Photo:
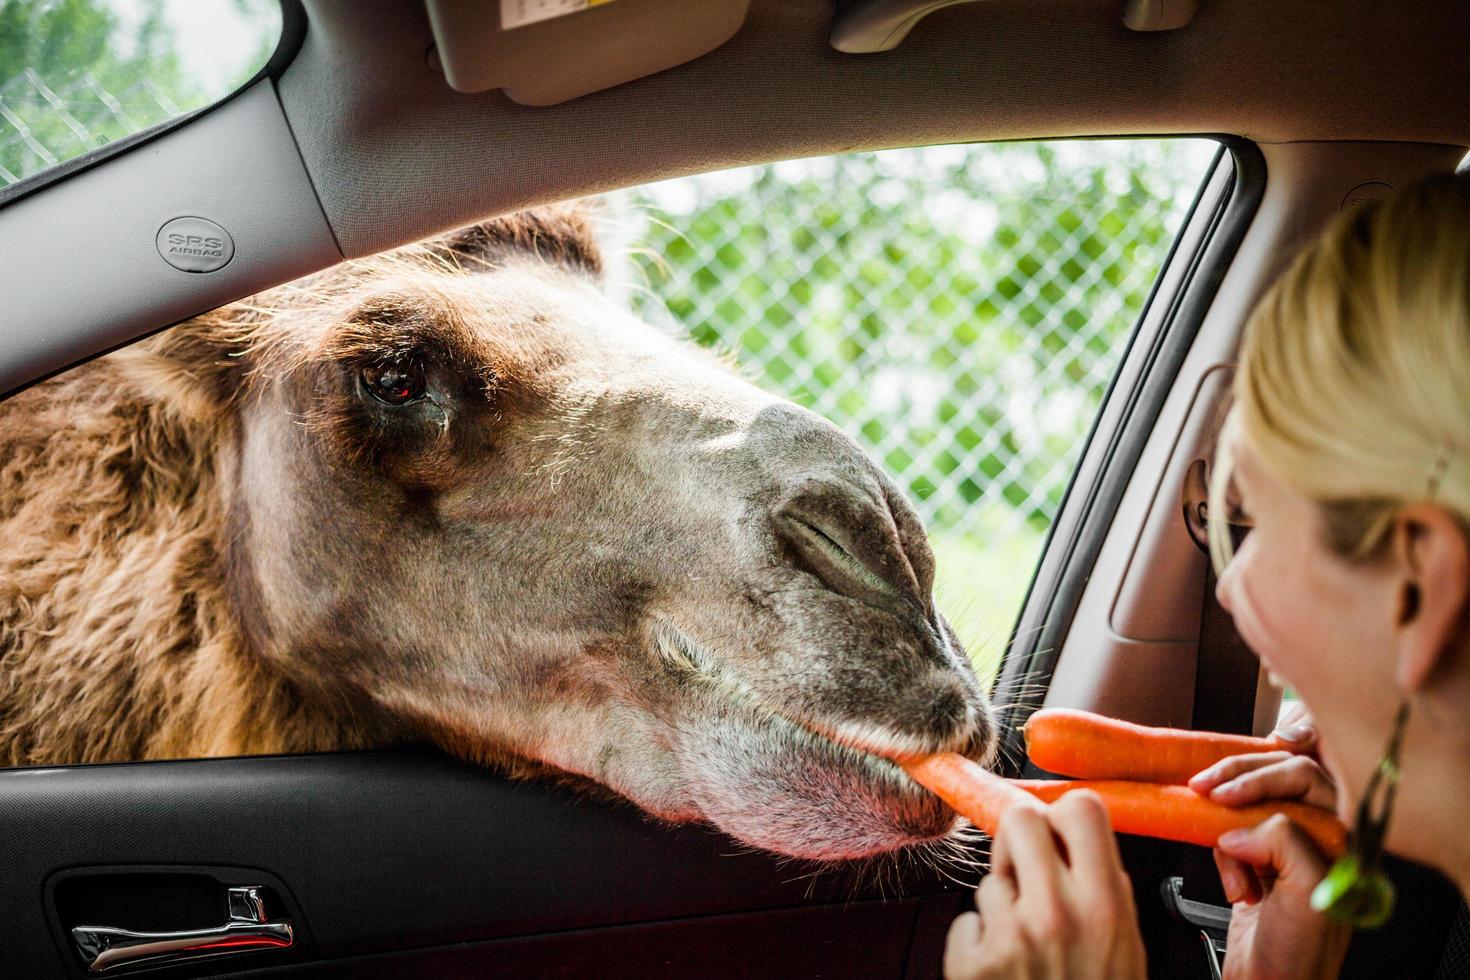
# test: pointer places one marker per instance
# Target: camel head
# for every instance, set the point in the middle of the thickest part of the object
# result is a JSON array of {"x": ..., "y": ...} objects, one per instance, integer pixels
[{"x": 470, "y": 500}]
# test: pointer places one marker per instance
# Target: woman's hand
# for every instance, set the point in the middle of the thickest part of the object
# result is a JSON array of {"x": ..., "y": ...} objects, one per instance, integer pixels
[
  {"x": 1269, "y": 872},
  {"x": 1293, "y": 774},
  {"x": 1259, "y": 776},
  {"x": 1056, "y": 902}
]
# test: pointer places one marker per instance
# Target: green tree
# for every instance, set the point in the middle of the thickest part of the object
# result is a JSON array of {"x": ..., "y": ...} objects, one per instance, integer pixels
[
  {"x": 826, "y": 285},
  {"x": 74, "y": 76}
]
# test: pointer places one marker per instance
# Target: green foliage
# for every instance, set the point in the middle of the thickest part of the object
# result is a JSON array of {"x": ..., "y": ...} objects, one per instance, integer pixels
[
  {"x": 873, "y": 278},
  {"x": 74, "y": 81},
  {"x": 75, "y": 76}
]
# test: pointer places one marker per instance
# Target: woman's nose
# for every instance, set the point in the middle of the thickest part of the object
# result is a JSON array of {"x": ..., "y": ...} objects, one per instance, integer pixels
[
  {"x": 1222, "y": 590},
  {"x": 1229, "y": 579}
]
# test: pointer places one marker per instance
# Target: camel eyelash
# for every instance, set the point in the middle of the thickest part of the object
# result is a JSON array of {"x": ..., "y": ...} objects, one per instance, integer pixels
[{"x": 364, "y": 428}]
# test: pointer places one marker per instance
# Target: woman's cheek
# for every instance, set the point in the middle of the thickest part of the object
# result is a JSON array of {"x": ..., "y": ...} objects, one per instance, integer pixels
[
  {"x": 1235, "y": 593},
  {"x": 1260, "y": 591}
]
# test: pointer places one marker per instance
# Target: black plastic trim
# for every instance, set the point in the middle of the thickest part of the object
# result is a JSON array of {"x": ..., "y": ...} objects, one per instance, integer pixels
[
  {"x": 293, "y": 34},
  {"x": 1027, "y": 667},
  {"x": 855, "y": 941}
]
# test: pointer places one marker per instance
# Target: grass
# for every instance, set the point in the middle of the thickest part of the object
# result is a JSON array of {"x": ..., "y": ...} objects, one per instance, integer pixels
[{"x": 981, "y": 576}]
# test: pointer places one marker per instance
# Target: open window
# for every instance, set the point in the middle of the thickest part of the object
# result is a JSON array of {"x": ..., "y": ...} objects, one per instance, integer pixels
[{"x": 960, "y": 310}]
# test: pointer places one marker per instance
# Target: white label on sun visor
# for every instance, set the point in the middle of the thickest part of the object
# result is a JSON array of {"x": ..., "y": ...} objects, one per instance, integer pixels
[{"x": 519, "y": 13}]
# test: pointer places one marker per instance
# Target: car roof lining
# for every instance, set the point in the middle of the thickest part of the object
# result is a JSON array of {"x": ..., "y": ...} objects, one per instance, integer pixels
[{"x": 396, "y": 155}]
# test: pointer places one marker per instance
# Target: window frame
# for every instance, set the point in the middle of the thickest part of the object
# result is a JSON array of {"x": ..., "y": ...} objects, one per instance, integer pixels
[{"x": 1213, "y": 229}]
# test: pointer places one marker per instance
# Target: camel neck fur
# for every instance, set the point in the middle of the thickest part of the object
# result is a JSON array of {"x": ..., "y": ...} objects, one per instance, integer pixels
[{"x": 118, "y": 638}]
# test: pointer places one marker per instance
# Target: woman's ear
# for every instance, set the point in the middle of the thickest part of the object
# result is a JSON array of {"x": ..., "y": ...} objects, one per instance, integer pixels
[{"x": 1432, "y": 564}]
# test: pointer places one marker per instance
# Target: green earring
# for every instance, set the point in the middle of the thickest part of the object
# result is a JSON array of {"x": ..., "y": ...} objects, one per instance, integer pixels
[{"x": 1356, "y": 892}]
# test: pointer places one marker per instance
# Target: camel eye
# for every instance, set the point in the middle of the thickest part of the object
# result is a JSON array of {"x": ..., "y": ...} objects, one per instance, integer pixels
[{"x": 394, "y": 384}]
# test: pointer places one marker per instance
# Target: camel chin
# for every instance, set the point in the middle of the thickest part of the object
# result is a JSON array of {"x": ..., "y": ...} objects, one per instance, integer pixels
[{"x": 778, "y": 786}]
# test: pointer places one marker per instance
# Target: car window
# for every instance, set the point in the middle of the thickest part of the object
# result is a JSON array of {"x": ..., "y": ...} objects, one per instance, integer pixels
[
  {"x": 404, "y": 500},
  {"x": 76, "y": 75},
  {"x": 959, "y": 310}
]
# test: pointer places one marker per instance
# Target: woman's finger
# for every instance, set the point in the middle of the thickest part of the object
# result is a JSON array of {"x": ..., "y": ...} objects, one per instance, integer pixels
[
  {"x": 1204, "y": 781},
  {"x": 996, "y": 899},
  {"x": 965, "y": 930},
  {"x": 1026, "y": 850},
  {"x": 1238, "y": 879},
  {"x": 1277, "y": 848},
  {"x": 963, "y": 953},
  {"x": 1081, "y": 820},
  {"x": 990, "y": 944},
  {"x": 1297, "y": 729},
  {"x": 1294, "y": 778}
]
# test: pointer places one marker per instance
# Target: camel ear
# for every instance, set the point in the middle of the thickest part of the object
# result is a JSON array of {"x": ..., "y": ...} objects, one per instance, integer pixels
[
  {"x": 194, "y": 368},
  {"x": 561, "y": 233}
]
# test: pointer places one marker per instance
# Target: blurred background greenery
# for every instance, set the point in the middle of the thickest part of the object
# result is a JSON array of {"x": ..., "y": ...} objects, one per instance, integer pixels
[{"x": 79, "y": 74}]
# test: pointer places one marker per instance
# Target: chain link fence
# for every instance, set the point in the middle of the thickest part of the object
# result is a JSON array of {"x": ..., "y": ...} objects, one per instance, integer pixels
[
  {"x": 958, "y": 310},
  {"x": 43, "y": 124}
]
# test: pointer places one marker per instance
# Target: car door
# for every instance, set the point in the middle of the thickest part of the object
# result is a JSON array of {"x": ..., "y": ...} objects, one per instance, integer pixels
[{"x": 404, "y": 862}]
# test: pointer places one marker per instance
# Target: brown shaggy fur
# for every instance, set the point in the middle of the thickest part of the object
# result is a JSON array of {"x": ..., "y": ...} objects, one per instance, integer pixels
[{"x": 119, "y": 636}]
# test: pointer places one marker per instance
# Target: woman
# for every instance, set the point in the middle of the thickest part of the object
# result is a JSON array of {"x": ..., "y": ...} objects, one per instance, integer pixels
[{"x": 1349, "y": 449}]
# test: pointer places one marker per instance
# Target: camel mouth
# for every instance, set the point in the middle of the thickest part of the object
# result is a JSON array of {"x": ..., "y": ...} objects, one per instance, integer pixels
[
  {"x": 870, "y": 744},
  {"x": 772, "y": 778}
]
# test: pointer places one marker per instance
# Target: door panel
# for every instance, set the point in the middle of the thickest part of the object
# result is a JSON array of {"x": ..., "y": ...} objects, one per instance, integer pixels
[
  {"x": 861, "y": 940},
  {"x": 382, "y": 852}
]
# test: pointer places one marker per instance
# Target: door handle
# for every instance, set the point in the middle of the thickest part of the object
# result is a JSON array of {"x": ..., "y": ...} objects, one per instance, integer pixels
[
  {"x": 1213, "y": 921},
  {"x": 247, "y": 931}
]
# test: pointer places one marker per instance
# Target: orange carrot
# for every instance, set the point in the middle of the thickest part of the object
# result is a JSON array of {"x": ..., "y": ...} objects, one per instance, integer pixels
[
  {"x": 1090, "y": 746},
  {"x": 968, "y": 787},
  {"x": 1179, "y": 813}
]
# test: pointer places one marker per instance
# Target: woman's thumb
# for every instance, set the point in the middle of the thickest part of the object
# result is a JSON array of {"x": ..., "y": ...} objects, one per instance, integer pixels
[{"x": 1279, "y": 845}]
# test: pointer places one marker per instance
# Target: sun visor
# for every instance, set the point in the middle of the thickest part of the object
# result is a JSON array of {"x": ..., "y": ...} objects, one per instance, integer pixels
[
  {"x": 542, "y": 52},
  {"x": 870, "y": 26}
]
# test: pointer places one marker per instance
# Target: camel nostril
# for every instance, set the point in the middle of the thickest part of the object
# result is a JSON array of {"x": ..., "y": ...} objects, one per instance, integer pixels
[
  {"x": 951, "y": 709},
  {"x": 866, "y": 574},
  {"x": 852, "y": 545},
  {"x": 982, "y": 743},
  {"x": 938, "y": 715},
  {"x": 951, "y": 719}
]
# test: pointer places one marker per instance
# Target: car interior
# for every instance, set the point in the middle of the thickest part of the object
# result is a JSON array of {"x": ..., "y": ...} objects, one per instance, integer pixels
[{"x": 377, "y": 123}]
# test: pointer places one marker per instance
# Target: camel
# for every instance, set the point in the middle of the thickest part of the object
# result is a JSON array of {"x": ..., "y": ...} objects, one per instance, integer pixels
[{"x": 454, "y": 495}]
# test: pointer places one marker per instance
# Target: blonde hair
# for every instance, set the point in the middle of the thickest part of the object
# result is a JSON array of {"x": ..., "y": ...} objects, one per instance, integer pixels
[{"x": 1354, "y": 380}]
